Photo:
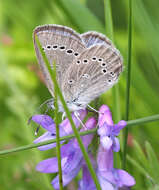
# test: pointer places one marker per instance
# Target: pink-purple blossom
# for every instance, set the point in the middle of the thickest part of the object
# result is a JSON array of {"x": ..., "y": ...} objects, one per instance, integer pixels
[
  {"x": 72, "y": 160},
  {"x": 108, "y": 130},
  {"x": 71, "y": 155},
  {"x": 47, "y": 123}
]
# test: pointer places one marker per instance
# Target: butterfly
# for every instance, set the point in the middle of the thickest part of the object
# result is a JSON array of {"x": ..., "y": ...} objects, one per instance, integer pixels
[{"x": 87, "y": 64}]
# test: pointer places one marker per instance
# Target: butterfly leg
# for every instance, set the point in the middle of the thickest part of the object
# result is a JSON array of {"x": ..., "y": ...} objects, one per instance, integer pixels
[
  {"x": 93, "y": 109},
  {"x": 63, "y": 115}
]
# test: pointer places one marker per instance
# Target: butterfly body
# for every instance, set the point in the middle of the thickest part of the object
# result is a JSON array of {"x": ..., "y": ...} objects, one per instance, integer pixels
[{"x": 87, "y": 64}]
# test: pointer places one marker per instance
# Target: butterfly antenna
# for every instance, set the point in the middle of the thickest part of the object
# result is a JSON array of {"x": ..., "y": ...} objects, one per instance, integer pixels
[{"x": 49, "y": 103}]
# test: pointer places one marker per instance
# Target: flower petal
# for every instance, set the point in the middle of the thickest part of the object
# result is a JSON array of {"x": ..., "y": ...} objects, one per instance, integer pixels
[
  {"x": 116, "y": 145},
  {"x": 49, "y": 136},
  {"x": 104, "y": 159},
  {"x": 86, "y": 183},
  {"x": 104, "y": 183},
  {"x": 105, "y": 130},
  {"x": 45, "y": 121},
  {"x": 124, "y": 178},
  {"x": 121, "y": 124},
  {"x": 48, "y": 166},
  {"x": 105, "y": 116},
  {"x": 90, "y": 124},
  {"x": 73, "y": 160},
  {"x": 66, "y": 126},
  {"x": 46, "y": 136},
  {"x": 106, "y": 142},
  {"x": 72, "y": 155},
  {"x": 67, "y": 148},
  {"x": 66, "y": 177}
]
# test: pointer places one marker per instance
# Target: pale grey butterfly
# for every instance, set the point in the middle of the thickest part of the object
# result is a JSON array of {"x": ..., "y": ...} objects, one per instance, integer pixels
[{"x": 87, "y": 64}]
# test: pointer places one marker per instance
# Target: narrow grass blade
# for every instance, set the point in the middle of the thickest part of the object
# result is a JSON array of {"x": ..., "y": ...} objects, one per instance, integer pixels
[
  {"x": 57, "y": 135},
  {"x": 129, "y": 124},
  {"x": 128, "y": 76},
  {"x": 68, "y": 114}
]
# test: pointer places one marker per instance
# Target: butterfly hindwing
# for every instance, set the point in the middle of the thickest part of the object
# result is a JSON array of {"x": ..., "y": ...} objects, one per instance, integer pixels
[{"x": 95, "y": 71}]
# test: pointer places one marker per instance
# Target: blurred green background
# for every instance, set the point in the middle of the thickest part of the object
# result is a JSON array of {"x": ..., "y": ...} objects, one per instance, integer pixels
[{"x": 22, "y": 89}]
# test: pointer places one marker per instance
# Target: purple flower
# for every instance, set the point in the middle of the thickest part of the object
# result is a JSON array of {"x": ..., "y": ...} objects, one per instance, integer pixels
[
  {"x": 47, "y": 123},
  {"x": 108, "y": 130},
  {"x": 109, "y": 177},
  {"x": 86, "y": 183},
  {"x": 71, "y": 158}
]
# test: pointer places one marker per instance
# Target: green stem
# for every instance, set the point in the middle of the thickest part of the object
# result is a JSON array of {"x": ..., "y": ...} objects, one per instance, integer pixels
[
  {"x": 27, "y": 147},
  {"x": 128, "y": 83},
  {"x": 68, "y": 114},
  {"x": 129, "y": 124},
  {"x": 143, "y": 120},
  {"x": 57, "y": 136}
]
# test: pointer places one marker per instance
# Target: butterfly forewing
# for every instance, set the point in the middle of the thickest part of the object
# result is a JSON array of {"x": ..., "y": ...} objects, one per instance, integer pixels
[{"x": 60, "y": 44}]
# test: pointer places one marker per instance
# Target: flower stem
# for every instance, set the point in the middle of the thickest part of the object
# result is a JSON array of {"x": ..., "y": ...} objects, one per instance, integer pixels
[
  {"x": 129, "y": 124},
  {"x": 57, "y": 135},
  {"x": 128, "y": 84}
]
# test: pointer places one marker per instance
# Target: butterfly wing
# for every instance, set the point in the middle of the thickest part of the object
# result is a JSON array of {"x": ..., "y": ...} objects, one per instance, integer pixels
[
  {"x": 60, "y": 44},
  {"x": 93, "y": 38},
  {"x": 95, "y": 71}
]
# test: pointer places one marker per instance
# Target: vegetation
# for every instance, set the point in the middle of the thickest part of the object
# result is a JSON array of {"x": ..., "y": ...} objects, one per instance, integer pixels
[{"x": 22, "y": 89}]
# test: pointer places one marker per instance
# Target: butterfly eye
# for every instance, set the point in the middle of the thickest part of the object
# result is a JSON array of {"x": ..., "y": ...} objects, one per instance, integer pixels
[
  {"x": 43, "y": 48},
  {"x": 104, "y": 71},
  {"x": 70, "y": 81},
  {"x": 74, "y": 100}
]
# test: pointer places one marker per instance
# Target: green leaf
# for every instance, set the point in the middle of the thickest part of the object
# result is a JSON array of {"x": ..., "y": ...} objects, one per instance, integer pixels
[
  {"x": 153, "y": 161},
  {"x": 138, "y": 166},
  {"x": 140, "y": 154}
]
